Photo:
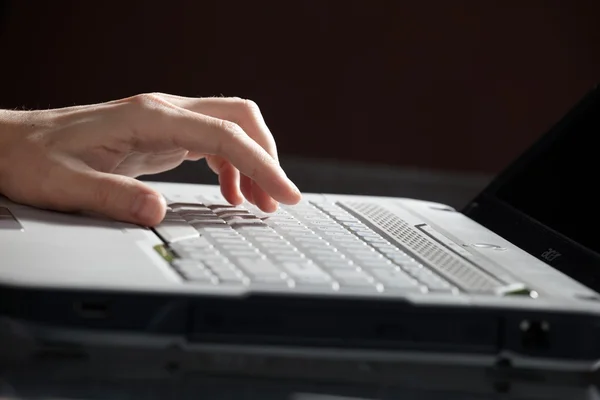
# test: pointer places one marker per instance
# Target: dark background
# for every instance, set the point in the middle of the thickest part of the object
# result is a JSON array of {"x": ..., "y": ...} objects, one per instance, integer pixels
[{"x": 435, "y": 96}]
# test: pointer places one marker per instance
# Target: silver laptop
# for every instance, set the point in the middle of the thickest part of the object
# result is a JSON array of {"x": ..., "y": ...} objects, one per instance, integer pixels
[{"x": 338, "y": 286}]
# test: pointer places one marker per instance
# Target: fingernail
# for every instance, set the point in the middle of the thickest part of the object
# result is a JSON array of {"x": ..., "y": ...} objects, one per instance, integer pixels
[{"x": 148, "y": 207}]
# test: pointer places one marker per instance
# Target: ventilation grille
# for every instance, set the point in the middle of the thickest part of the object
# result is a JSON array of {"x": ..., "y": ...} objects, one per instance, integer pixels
[{"x": 464, "y": 274}]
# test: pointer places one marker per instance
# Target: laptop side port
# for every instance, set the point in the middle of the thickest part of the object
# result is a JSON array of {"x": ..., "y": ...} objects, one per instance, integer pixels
[
  {"x": 92, "y": 309},
  {"x": 535, "y": 334}
]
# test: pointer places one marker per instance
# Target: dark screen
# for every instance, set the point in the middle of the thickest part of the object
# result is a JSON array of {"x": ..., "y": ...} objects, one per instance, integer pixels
[{"x": 559, "y": 186}]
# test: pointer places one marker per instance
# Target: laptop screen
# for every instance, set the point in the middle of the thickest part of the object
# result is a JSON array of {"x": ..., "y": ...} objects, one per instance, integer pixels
[
  {"x": 558, "y": 186},
  {"x": 547, "y": 202}
]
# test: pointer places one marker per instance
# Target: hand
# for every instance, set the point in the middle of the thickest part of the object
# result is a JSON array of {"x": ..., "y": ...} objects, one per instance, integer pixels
[{"x": 84, "y": 159}]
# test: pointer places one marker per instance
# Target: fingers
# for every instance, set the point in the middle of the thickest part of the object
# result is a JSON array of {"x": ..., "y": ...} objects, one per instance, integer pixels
[
  {"x": 229, "y": 179},
  {"x": 247, "y": 115},
  {"x": 199, "y": 133},
  {"x": 262, "y": 199},
  {"x": 114, "y": 196},
  {"x": 246, "y": 187}
]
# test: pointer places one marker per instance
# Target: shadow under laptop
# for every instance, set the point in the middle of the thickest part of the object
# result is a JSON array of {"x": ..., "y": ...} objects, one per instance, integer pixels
[{"x": 414, "y": 382}]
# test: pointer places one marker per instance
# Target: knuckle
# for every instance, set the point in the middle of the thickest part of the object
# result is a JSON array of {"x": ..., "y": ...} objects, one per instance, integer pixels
[
  {"x": 148, "y": 100},
  {"x": 143, "y": 98},
  {"x": 230, "y": 133},
  {"x": 253, "y": 174},
  {"x": 105, "y": 190},
  {"x": 248, "y": 109},
  {"x": 251, "y": 107},
  {"x": 101, "y": 196},
  {"x": 230, "y": 129}
]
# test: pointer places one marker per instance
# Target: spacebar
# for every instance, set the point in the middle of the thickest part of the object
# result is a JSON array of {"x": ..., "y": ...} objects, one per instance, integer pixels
[{"x": 172, "y": 231}]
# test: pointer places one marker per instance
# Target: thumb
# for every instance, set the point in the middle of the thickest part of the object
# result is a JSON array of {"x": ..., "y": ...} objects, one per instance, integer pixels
[{"x": 114, "y": 196}]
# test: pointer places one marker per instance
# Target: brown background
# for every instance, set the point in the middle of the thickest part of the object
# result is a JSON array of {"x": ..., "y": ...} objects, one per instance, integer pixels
[{"x": 451, "y": 85}]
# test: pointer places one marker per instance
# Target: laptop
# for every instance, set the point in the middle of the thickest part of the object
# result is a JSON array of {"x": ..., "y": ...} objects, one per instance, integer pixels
[{"x": 338, "y": 287}]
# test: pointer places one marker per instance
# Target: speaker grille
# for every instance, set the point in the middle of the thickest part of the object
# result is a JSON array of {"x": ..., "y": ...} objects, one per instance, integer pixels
[{"x": 456, "y": 269}]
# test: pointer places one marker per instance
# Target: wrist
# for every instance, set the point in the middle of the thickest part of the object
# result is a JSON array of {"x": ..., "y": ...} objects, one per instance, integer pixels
[
  {"x": 9, "y": 130},
  {"x": 9, "y": 126}
]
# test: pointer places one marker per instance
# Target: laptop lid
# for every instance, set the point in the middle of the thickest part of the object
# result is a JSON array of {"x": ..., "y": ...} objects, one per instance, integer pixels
[{"x": 547, "y": 202}]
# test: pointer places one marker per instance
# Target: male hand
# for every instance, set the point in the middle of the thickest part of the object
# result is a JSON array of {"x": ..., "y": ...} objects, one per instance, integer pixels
[{"x": 86, "y": 158}]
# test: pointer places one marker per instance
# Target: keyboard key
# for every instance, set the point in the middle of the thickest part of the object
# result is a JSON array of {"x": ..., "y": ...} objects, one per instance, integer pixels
[
  {"x": 329, "y": 258},
  {"x": 204, "y": 256},
  {"x": 321, "y": 222},
  {"x": 290, "y": 258},
  {"x": 226, "y": 233},
  {"x": 219, "y": 264},
  {"x": 393, "y": 278},
  {"x": 430, "y": 280},
  {"x": 282, "y": 245},
  {"x": 226, "y": 274},
  {"x": 367, "y": 257},
  {"x": 337, "y": 264},
  {"x": 232, "y": 213},
  {"x": 199, "y": 216},
  {"x": 246, "y": 222},
  {"x": 179, "y": 206},
  {"x": 213, "y": 228},
  {"x": 172, "y": 231},
  {"x": 256, "y": 267},
  {"x": 372, "y": 240},
  {"x": 233, "y": 243},
  {"x": 205, "y": 223},
  {"x": 238, "y": 217},
  {"x": 171, "y": 216},
  {"x": 222, "y": 207},
  {"x": 323, "y": 250},
  {"x": 193, "y": 243},
  {"x": 375, "y": 263},
  {"x": 303, "y": 269},
  {"x": 331, "y": 234},
  {"x": 403, "y": 260},
  {"x": 251, "y": 252},
  {"x": 194, "y": 271},
  {"x": 352, "y": 277},
  {"x": 335, "y": 228},
  {"x": 208, "y": 222},
  {"x": 240, "y": 246},
  {"x": 315, "y": 280}
]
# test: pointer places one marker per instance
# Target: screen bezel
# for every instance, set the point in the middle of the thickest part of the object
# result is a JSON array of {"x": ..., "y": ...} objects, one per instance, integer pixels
[{"x": 570, "y": 257}]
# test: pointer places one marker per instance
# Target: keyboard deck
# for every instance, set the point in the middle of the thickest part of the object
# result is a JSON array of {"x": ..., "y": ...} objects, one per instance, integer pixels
[{"x": 313, "y": 245}]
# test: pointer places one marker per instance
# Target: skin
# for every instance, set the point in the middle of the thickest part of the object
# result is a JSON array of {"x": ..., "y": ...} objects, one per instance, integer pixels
[{"x": 85, "y": 158}]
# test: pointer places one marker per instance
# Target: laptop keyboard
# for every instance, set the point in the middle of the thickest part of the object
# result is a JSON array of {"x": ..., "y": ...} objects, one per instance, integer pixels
[{"x": 309, "y": 245}]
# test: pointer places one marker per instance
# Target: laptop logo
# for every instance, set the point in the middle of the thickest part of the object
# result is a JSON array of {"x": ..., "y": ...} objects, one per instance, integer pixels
[
  {"x": 550, "y": 255},
  {"x": 8, "y": 220}
]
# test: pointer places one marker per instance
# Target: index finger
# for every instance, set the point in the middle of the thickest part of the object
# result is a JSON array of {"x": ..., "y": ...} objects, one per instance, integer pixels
[{"x": 245, "y": 113}]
